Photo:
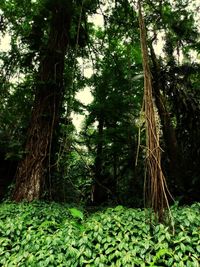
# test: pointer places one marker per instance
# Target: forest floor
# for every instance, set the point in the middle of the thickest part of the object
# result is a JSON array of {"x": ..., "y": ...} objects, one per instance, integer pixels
[{"x": 52, "y": 234}]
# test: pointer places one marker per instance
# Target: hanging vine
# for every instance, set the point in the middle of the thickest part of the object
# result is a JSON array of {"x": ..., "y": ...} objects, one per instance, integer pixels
[{"x": 156, "y": 190}]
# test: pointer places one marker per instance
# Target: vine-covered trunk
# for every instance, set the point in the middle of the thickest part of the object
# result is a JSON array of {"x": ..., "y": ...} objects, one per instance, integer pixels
[
  {"x": 167, "y": 127},
  {"x": 32, "y": 170},
  {"x": 156, "y": 187}
]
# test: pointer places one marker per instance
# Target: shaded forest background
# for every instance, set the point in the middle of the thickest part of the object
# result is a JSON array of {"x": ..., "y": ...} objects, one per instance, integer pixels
[{"x": 42, "y": 155}]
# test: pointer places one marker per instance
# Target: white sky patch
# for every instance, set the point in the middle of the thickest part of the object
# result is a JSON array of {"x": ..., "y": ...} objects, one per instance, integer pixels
[
  {"x": 85, "y": 96},
  {"x": 77, "y": 120},
  {"x": 97, "y": 19},
  {"x": 5, "y": 43},
  {"x": 87, "y": 72},
  {"x": 159, "y": 43}
]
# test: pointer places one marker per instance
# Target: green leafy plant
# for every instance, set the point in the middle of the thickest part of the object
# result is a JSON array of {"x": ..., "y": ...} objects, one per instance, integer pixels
[
  {"x": 49, "y": 234},
  {"x": 78, "y": 218}
]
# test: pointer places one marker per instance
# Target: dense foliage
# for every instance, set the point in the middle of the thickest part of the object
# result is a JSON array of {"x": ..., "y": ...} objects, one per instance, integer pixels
[
  {"x": 50, "y": 234},
  {"x": 52, "y": 47},
  {"x": 97, "y": 164},
  {"x": 57, "y": 50}
]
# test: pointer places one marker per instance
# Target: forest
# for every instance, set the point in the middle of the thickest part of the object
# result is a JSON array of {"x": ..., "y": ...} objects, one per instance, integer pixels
[{"x": 99, "y": 133}]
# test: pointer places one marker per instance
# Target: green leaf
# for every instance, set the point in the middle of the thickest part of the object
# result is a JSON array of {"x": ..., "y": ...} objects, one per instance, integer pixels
[
  {"x": 183, "y": 247},
  {"x": 119, "y": 208},
  {"x": 76, "y": 213}
]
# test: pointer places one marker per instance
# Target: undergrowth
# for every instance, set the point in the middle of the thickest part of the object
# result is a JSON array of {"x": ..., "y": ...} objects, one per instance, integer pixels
[{"x": 51, "y": 234}]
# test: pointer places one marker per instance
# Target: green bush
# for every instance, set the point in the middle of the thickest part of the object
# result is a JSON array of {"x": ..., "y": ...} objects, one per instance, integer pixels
[{"x": 50, "y": 234}]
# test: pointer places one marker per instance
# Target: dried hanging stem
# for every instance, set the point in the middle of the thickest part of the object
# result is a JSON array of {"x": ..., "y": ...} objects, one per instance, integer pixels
[{"x": 156, "y": 187}]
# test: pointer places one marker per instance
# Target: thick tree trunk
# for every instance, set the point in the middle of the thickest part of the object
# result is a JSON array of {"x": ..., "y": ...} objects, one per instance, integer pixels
[{"x": 33, "y": 168}]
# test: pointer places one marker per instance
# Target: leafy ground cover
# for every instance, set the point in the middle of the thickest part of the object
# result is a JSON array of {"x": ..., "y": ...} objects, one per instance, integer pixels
[{"x": 51, "y": 234}]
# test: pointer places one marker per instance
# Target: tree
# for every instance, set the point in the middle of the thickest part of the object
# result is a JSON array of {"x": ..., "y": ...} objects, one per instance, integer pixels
[
  {"x": 156, "y": 189},
  {"x": 48, "y": 98},
  {"x": 116, "y": 105},
  {"x": 30, "y": 176},
  {"x": 175, "y": 90}
]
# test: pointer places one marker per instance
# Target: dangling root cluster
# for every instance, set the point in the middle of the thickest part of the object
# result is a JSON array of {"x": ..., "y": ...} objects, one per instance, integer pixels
[{"x": 156, "y": 190}]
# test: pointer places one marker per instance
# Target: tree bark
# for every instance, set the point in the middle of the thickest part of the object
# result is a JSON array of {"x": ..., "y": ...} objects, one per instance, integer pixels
[{"x": 32, "y": 170}]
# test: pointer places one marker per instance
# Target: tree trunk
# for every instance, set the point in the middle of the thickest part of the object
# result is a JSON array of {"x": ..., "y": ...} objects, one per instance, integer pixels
[
  {"x": 105, "y": 184},
  {"x": 32, "y": 170},
  {"x": 167, "y": 127},
  {"x": 156, "y": 187},
  {"x": 99, "y": 192}
]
